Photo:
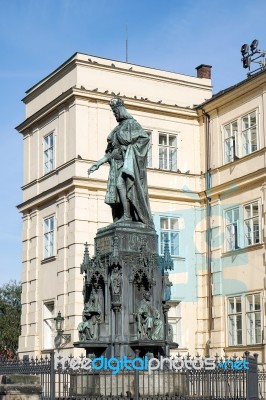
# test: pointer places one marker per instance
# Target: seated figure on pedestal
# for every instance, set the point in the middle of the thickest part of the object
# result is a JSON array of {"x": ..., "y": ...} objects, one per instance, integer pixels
[
  {"x": 150, "y": 325},
  {"x": 89, "y": 327},
  {"x": 126, "y": 152},
  {"x": 81, "y": 329}
]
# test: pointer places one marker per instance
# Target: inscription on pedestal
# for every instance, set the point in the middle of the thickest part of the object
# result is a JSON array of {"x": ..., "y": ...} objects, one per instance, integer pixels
[
  {"x": 104, "y": 245},
  {"x": 128, "y": 240}
]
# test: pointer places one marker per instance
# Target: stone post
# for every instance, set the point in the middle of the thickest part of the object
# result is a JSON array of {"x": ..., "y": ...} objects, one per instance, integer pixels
[
  {"x": 23, "y": 387},
  {"x": 166, "y": 309}
]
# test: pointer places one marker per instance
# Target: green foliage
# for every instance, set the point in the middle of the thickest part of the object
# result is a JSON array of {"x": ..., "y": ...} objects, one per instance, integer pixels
[{"x": 10, "y": 314}]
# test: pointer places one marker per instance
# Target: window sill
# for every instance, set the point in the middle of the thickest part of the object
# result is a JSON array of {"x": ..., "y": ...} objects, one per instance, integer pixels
[
  {"x": 174, "y": 171},
  {"x": 244, "y": 347},
  {"x": 180, "y": 258},
  {"x": 240, "y": 159},
  {"x": 47, "y": 351},
  {"x": 252, "y": 247},
  {"x": 48, "y": 259}
]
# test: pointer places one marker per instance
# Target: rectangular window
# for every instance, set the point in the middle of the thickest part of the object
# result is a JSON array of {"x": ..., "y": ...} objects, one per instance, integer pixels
[
  {"x": 48, "y": 325},
  {"x": 249, "y": 133},
  {"x": 169, "y": 234},
  {"x": 253, "y": 313},
  {"x": 242, "y": 226},
  {"x": 232, "y": 231},
  {"x": 49, "y": 163},
  {"x": 245, "y": 320},
  {"x": 230, "y": 139},
  {"x": 149, "y": 156},
  {"x": 167, "y": 151},
  {"x": 49, "y": 229},
  {"x": 241, "y": 137},
  {"x": 235, "y": 321},
  {"x": 251, "y": 223}
]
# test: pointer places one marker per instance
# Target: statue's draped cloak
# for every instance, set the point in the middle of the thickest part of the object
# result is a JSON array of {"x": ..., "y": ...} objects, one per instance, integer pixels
[{"x": 127, "y": 150}]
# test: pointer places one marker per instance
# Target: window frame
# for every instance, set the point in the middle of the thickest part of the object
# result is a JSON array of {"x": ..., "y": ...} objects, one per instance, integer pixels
[
  {"x": 246, "y": 338},
  {"x": 251, "y": 220},
  {"x": 150, "y": 149},
  {"x": 234, "y": 227},
  {"x": 168, "y": 231},
  {"x": 47, "y": 234},
  {"x": 232, "y": 140},
  {"x": 254, "y": 312},
  {"x": 237, "y": 137},
  {"x": 48, "y": 325},
  {"x": 248, "y": 129},
  {"x": 233, "y": 316},
  {"x": 239, "y": 227},
  {"x": 167, "y": 151},
  {"x": 47, "y": 151}
]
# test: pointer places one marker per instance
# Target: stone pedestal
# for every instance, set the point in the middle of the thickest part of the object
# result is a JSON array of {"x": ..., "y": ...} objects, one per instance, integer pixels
[
  {"x": 124, "y": 294},
  {"x": 125, "y": 384}
]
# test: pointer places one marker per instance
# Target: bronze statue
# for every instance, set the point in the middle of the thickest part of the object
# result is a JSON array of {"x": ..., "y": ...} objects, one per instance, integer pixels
[
  {"x": 93, "y": 306},
  {"x": 166, "y": 288},
  {"x": 170, "y": 333},
  {"x": 150, "y": 325},
  {"x": 88, "y": 328},
  {"x": 126, "y": 152},
  {"x": 81, "y": 329},
  {"x": 116, "y": 281},
  {"x": 157, "y": 332},
  {"x": 92, "y": 313}
]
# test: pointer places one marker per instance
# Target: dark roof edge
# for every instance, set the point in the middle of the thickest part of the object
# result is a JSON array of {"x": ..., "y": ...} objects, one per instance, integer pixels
[{"x": 230, "y": 88}]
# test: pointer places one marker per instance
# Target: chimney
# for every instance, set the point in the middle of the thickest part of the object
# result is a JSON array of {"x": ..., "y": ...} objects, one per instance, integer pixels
[{"x": 204, "y": 71}]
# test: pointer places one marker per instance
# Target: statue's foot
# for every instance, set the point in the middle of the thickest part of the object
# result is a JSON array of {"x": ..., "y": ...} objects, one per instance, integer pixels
[{"x": 125, "y": 218}]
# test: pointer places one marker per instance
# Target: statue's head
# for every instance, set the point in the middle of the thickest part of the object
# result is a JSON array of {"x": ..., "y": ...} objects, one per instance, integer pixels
[
  {"x": 119, "y": 110},
  {"x": 147, "y": 295}
]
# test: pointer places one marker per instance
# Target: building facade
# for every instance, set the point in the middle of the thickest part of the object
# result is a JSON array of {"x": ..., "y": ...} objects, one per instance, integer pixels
[
  {"x": 234, "y": 125},
  {"x": 206, "y": 172}
]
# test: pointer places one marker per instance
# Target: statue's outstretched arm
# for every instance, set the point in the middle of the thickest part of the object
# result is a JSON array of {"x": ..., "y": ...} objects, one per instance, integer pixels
[{"x": 97, "y": 164}]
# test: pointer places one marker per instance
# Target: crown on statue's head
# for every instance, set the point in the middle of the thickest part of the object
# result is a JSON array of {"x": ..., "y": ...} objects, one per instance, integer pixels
[{"x": 116, "y": 102}]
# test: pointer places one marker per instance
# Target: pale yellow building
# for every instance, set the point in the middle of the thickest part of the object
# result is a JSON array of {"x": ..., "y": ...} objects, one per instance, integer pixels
[
  {"x": 67, "y": 121},
  {"x": 234, "y": 125}
]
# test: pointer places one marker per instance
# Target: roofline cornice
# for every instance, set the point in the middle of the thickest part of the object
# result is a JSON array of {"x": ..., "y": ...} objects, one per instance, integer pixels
[
  {"x": 73, "y": 61},
  {"x": 133, "y": 104}
]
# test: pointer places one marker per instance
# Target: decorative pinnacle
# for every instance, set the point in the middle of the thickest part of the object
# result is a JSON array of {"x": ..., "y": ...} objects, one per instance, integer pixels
[
  {"x": 166, "y": 259},
  {"x": 86, "y": 259}
]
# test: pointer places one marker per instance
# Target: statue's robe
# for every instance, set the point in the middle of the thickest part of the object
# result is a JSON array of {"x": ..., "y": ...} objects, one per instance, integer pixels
[{"x": 127, "y": 151}]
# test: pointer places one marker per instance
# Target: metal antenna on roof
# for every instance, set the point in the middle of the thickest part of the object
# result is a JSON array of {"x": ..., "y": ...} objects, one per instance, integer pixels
[{"x": 126, "y": 45}]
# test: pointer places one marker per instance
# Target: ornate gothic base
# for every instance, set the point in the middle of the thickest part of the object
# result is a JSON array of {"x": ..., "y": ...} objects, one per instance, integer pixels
[{"x": 126, "y": 289}]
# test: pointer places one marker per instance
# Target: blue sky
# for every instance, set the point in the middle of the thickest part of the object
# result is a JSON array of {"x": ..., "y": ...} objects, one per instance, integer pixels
[{"x": 38, "y": 35}]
